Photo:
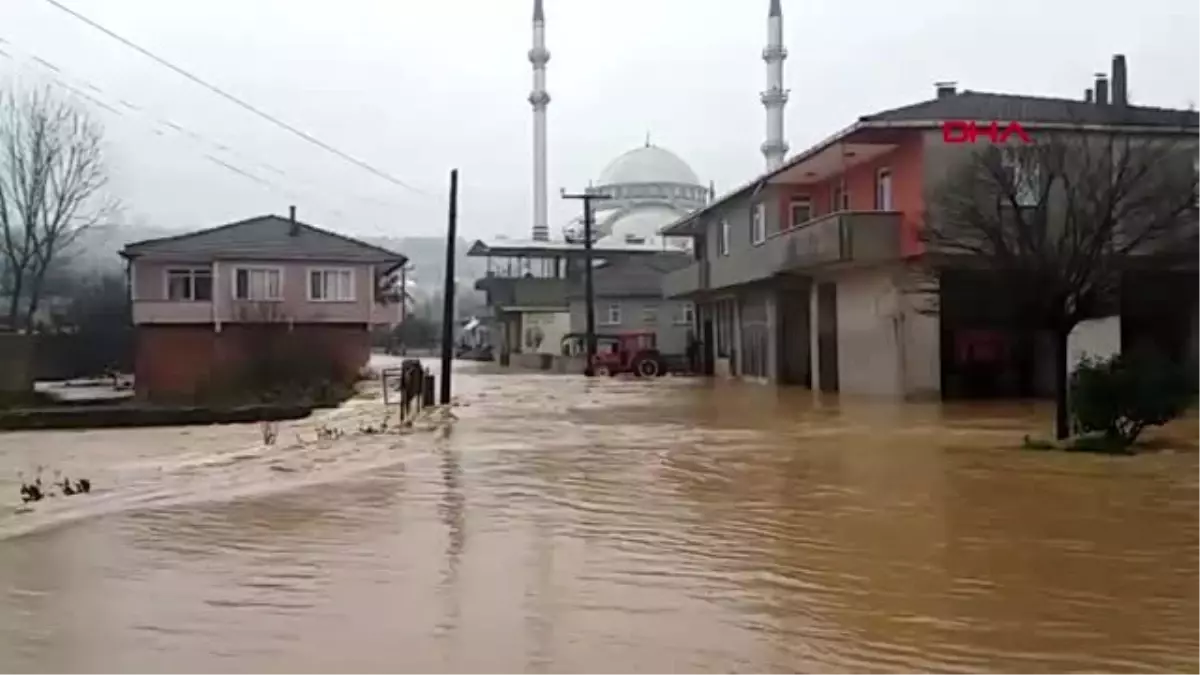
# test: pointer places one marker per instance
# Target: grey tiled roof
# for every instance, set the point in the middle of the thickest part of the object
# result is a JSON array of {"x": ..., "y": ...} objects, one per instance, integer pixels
[
  {"x": 974, "y": 105},
  {"x": 633, "y": 277},
  {"x": 264, "y": 238}
]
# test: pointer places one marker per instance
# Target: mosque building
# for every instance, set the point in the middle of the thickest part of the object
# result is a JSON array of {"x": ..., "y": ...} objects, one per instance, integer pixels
[{"x": 532, "y": 284}]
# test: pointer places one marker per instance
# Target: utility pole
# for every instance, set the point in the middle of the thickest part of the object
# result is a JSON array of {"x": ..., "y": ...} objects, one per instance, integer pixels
[
  {"x": 403, "y": 292},
  {"x": 448, "y": 292},
  {"x": 589, "y": 294}
]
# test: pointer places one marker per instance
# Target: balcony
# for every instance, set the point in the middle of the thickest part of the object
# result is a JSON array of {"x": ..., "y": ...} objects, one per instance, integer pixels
[
  {"x": 844, "y": 237},
  {"x": 164, "y": 311},
  {"x": 688, "y": 280},
  {"x": 531, "y": 292}
]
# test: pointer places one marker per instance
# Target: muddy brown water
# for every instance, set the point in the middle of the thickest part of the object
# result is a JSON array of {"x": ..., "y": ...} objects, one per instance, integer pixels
[{"x": 605, "y": 526}]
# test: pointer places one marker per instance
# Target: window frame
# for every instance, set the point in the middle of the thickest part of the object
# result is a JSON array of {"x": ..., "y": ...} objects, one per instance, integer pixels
[
  {"x": 758, "y": 224},
  {"x": 880, "y": 174},
  {"x": 685, "y": 313},
  {"x": 839, "y": 198},
  {"x": 192, "y": 272},
  {"x": 1196, "y": 174},
  {"x": 609, "y": 308},
  {"x": 792, "y": 204},
  {"x": 723, "y": 238},
  {"x": 233, "y": 290},
  {"x": 323, "y": 271},
  {"x": 1027, "y": 185},
  {"x": 650, "y": 314}
]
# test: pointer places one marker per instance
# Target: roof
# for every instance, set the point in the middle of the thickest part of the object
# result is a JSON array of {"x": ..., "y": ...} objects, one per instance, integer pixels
[
  {"x": 634, "y": 276},
  {"x": 265, "y": 238},
  {"x": 533, "y": 248},
  {"x": 647, "y": 164},
  {"x": 1032, "y": 112},
  {"x": 975, "y": 105}
]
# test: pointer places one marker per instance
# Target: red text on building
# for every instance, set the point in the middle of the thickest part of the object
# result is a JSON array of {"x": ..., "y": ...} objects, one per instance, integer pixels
[{"x": 967, "y": 131}]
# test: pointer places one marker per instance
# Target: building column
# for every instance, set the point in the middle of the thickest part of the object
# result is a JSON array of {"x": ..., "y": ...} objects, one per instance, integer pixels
[
  {"x": 772, "y": 356},
  {"x": 921, "y": 337},
  {"x": 814, "y": 325}
]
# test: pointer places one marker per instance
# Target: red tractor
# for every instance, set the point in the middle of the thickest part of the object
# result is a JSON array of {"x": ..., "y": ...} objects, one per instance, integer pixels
[{"x": 626, "y": 352}]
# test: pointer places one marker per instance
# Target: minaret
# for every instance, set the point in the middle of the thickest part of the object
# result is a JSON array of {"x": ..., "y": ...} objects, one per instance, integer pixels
[
  {"x": 539, "y": 99},
  {"x": 774, "y": 149}
]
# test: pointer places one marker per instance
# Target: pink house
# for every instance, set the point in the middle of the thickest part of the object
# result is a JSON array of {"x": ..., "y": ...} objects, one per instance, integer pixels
[{"x": 195, "y": 296}]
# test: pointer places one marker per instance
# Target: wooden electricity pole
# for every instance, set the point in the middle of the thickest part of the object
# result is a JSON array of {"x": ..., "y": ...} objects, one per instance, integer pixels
[
  {"x": 448, "y": 289},
  {"x": 589, "y": 294}
]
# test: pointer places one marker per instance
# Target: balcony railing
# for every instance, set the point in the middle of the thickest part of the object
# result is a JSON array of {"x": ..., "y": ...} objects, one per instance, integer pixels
[
  {"x": 848, "y": 236},
  {"x": 525, "y": 292}
]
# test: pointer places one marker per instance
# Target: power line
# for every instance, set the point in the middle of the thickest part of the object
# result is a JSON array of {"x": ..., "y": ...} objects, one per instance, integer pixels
[
  {"x": 239, "y": 102},
  {"x": 157, "y": 124}
]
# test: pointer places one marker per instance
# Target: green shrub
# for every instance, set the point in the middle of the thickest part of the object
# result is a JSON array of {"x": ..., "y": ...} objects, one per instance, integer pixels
[{"x": 1121, "y": 396}]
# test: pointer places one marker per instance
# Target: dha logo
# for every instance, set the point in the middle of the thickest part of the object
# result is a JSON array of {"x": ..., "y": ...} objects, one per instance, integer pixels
[{"x": 966, "y": 131}]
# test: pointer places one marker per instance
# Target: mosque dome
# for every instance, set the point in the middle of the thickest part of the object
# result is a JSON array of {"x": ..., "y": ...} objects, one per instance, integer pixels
[
  {"x": 648, "y": 164},
  {"x": 641, "y": 225}
]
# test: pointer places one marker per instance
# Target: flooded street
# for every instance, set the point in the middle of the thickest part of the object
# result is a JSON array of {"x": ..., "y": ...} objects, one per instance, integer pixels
[{"x": 604, "y": 526}]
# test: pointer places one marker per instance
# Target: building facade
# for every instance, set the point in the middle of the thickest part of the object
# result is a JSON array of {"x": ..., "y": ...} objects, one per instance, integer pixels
[
  {"x": 815, "y": 274},
  {"x": 197, "y": 298}
]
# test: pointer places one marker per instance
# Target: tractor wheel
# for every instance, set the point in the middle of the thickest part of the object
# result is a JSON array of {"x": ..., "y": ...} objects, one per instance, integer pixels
[{"x": 647, "y": 367}]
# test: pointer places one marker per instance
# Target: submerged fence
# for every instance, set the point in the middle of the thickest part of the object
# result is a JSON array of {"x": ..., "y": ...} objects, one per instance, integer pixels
[{"x": 411, "y": 386}]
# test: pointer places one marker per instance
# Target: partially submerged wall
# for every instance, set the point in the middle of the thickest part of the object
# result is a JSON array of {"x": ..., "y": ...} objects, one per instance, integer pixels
[{"x": 17, "y": 361}]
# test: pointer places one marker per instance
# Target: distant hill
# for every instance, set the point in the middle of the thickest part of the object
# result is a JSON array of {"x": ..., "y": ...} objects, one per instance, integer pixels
[{"x": 96, "y": 250}]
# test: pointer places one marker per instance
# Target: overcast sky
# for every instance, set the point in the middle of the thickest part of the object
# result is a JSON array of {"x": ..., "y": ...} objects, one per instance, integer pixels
[{"x": 416, "y": 87}]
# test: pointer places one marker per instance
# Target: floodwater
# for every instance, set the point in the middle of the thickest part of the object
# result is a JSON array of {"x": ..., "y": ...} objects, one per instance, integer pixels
[{"x": 608, "y": 525}]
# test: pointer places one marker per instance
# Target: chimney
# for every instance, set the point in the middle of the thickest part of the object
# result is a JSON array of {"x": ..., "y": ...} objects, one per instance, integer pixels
[
  {"x": 946, "y": 89},
  {"x": 295, "y": 227},
  {"x": 1087, "y": 95},
  {"x": 1120, "y": 81},
  {"x": 1101, "y": 89}
]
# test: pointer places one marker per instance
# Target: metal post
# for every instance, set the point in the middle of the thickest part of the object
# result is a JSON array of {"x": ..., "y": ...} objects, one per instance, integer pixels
[
  {"x": 589, "y": 294},
  {"x": 448, "y": 292}
]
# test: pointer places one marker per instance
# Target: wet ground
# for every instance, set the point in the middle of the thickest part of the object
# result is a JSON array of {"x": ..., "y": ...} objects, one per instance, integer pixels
[{"x": 606, "y": 526}]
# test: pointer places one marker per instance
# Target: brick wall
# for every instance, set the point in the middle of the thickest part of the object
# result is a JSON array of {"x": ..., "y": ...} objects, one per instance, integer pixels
[{"x": 176, "y": 360}]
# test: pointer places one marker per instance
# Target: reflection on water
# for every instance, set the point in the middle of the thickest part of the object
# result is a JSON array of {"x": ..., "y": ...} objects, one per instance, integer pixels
[{"x": 608, "y": 525}]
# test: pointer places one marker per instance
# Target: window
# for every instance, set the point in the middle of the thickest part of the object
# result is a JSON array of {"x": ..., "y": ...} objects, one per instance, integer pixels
[
  {"x": 801, "y": 211},
  {"x": 758, "y": 224},
  {"x": 685, "y": 314},
  {"x": 839, "y": 199},
  {"x": 723, "y": 242},
  {"x": 883, "y": 190},
  {"x": 258, "y": 283},
  {"x": 189, "y": 284},
  {"x": 331, "y": 285},
  {"x": 650, "y": 314},
  {"x": 1026, "y": 180},
  {"x": 1195, "y": 178},
  {"x": 612, "y": 315}
]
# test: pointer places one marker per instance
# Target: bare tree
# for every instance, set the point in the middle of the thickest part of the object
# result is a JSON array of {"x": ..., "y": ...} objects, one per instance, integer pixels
[
  {"x": 1055, "y": 224},
  {"x": 52, "y": 177}
]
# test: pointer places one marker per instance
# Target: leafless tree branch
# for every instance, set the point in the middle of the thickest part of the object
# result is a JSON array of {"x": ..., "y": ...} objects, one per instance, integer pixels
[{"x": 52, "y": 180}]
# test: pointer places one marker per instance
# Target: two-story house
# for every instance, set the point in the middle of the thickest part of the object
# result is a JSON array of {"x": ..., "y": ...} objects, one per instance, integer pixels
[
  {"x": 627, "y": 296},
  {"x": 815, "y": 273},
  {"x": 194, "y": 296}
]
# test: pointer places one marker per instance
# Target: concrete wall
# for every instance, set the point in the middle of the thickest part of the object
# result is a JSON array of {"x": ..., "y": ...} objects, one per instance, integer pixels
[
  {"x": 17, "y": 360},
  {"x": 886, "y": 344},
  {"x": 542, "y": 332},
  {"x": 671, "y": 334},
  {"x": 1095, "y": 338}
]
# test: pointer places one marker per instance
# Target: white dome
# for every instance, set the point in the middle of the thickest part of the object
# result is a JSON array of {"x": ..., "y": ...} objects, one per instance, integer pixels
[
  {"x": 649, "y": 164},
  {"x": 641, "y": 226}
]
